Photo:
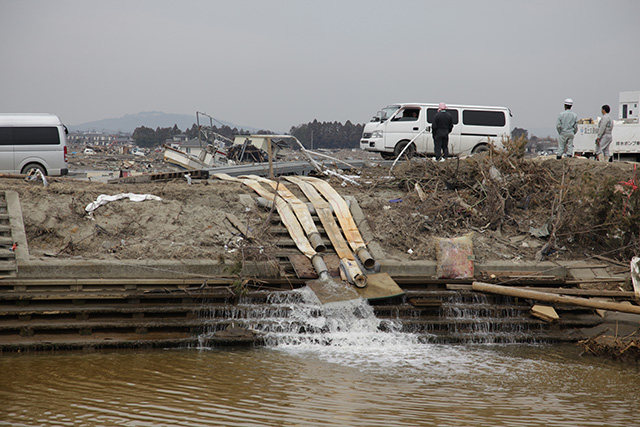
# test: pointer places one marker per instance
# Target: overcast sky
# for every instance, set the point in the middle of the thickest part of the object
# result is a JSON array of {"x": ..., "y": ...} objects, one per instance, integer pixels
[{"x": 276, "y": 64}]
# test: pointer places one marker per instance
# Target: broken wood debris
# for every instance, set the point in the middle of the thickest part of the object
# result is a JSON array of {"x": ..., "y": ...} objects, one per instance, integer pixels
[
  {"x": 625, "y": 348},
  {"x": 160, "y": 177},
  {"x": 558, "y": 299},
  {"x": 545, "y": 312}
]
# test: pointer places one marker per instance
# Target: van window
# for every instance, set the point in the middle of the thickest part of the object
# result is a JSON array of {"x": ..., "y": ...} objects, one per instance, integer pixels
[
  {"x": 6, "y": 136},
  {"x": 431, "y": 113},
  {"x": 36, "y": 135},
  {"x": 408, "y": 115},
  {"x": 387, "y": 112},
  {"x": 483, "y": 118},
  {"x": 29, "y": 136}
]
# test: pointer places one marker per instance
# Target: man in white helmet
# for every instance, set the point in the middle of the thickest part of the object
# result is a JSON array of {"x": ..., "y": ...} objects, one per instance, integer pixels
[{"x": 567, "y": 126}]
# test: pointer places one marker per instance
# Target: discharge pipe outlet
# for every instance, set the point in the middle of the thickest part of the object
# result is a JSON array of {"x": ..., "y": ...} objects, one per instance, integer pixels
[
  {"x": 353, "y": 273},
  {"x": 320, "y": 267},
  {"x": 316, "y": 242},
  {"x": 366, "y": 258}
]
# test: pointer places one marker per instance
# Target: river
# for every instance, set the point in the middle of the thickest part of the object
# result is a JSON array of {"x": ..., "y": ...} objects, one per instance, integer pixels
[
  {"x": 423, "y": 385},
  {"x": 322, "y": 366}
]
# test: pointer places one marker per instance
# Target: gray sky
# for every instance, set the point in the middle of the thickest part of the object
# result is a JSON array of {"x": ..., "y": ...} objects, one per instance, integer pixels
[{"x": 275, "y": 64}]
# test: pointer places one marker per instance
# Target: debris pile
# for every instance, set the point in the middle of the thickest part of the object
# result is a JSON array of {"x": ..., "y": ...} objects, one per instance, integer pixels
[
  {"x": 111, "y": 160},
  {"x": 627, "y": 349},
  {"x": 513, "y": 208},
  {"x": 522, "y": 208}
]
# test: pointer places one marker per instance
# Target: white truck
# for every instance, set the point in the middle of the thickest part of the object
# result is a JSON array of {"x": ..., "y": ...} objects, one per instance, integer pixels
[
  {"x": 397, "y": 125},
  {"x": 625, "y": 135}
]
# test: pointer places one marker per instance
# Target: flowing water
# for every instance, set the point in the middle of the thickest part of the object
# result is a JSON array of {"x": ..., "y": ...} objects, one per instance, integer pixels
[{"x": 332, "y": 365}]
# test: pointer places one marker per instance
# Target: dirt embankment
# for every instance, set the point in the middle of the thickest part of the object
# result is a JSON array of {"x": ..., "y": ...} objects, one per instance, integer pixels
[{"x": 577, "y": 206}]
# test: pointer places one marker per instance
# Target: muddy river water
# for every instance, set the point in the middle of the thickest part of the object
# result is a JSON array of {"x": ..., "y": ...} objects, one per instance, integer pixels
[{"x": 399, "y": 384}]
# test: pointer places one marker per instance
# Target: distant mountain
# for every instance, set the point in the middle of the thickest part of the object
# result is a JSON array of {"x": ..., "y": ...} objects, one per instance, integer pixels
[{"x": 151, "y": 119}]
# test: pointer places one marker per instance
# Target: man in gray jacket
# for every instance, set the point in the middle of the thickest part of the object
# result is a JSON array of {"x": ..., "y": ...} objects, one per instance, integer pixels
[
  {"x": 603, "y": 140},
  {"x": 567, "y": 126}
]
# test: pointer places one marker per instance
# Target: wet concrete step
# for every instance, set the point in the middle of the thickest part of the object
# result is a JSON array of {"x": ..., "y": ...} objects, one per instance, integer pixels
[
  {"x": 6, "y": 254},
  {"x": 541, "y": 337},
  {"x": 87, "y": 327},
  {"x": 97, "y": 340},
  {"x": 422, "y": 325},
  {"x": 446, "y": 309},
  {"x": 220, "y": 311},
  {"x": 111, "y": 295},
  {"x": 56, "y": 309}
]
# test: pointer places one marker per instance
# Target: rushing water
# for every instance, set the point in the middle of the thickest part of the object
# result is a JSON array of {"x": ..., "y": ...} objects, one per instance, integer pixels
[{"x": 324, "y": 366}]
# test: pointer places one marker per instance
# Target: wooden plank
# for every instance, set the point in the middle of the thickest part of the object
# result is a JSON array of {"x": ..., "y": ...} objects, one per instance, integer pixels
[
  {"x": 598, "y": 280},
  {"x": 458, "y": 287},
  {"x": 612, "y": 261},
  {"x": 544, "y": 312},
  {"x": 304, "y": 269},
  {"x": 577, "y": 266},
  {"x": 302, "y": 266},
  {"x": 380, "y": 286},
  {"x": 564, "y": 291},
  {"x": 239, "y": 225},
  {"x": 585, "y": 292},
  {"x": 559, "y": 299},
  {"x": 518, "y": 273}
]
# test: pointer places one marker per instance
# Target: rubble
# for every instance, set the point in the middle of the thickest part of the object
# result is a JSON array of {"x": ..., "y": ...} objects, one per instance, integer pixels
[{"x": 500, "y": 198}]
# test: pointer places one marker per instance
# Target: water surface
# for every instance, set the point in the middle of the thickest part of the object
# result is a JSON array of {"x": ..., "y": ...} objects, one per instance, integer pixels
[{"x": 412, "y": 385}]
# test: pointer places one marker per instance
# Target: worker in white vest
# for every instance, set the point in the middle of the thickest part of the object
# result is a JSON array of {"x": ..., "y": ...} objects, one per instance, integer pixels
[{"x": 567, "y": 126}]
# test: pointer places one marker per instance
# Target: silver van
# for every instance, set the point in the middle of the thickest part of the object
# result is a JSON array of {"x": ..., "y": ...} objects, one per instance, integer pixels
[{"x": 33, "y": 141}]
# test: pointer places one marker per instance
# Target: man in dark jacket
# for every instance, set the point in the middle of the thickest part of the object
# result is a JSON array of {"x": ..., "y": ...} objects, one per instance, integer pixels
[{"x": 440, "y": 128}]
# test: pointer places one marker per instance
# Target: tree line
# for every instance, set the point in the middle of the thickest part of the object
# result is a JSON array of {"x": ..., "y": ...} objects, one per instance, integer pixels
[
  {"x": 313, "y": 134},
  {"x": 328, "y": 134}
]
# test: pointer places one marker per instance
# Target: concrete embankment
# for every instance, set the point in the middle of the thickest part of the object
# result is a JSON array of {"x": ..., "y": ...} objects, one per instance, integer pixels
[
  {"x": 54, "y": 304},
  {"x": 51, "y": 303}
]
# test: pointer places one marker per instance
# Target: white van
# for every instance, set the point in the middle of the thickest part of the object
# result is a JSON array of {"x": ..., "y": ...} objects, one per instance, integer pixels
[
  {"x": 33, "y": 141},
  {"x": 474, "y": 127}
]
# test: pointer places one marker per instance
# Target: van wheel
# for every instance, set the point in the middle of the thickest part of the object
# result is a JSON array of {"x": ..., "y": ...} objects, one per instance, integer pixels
[
  {"x": 33, "y": 167},
  {"x": 480, "y": 149},
  {"x": 408, "y": 153}
]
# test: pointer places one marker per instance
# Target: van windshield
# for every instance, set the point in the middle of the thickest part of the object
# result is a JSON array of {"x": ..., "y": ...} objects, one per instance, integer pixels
[{"x": 387, "y": 112}]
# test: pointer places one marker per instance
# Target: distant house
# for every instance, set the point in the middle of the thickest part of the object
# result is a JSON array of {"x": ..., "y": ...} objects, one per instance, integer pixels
[
  {"x": 189, "y": 146},
  {"x": 100, "y": 139}
]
